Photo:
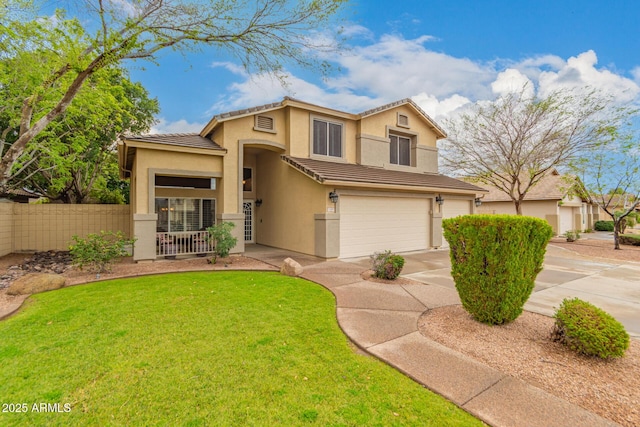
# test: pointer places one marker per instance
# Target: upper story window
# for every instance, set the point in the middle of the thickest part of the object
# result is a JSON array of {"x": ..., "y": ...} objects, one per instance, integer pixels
[
  {"x": 400, "y": 150},
  {"x": 327, "y": 138}
]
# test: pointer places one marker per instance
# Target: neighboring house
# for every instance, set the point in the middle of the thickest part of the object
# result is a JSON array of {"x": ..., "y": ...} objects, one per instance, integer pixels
[
  {"x": 296, "y": 176},
  {"x": 552, "y": 199},
  {"x": 20, "y": 196}
]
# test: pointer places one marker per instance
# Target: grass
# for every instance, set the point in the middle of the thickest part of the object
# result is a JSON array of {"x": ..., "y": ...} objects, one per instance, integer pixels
[{"x": 195, "y": 349}]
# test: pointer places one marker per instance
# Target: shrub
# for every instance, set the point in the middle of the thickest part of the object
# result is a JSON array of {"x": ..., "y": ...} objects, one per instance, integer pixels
[
  {"x": 98, "y": 251},
  {"x": 387, "y": 265},
  {"x": 572, "y": 235},
  {"x": 494, "y": 262},
  {"x": 586, "y": 329},
  {"x": 603, "y": 226},
  {"x": 221, "y": 236},
  {"x": 629, "y": 239}
]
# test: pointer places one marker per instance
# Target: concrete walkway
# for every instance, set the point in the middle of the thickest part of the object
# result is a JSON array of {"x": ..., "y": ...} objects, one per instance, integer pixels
[{"x": 382, "y": 320}]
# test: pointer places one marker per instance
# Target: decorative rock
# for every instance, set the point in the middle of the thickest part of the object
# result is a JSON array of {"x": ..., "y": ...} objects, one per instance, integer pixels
[
  {"x": 291, "y": 267},
  {"x": 34, "y": 283}
]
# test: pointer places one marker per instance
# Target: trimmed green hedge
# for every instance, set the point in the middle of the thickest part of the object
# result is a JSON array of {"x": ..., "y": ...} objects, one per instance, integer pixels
[
  {"x": 494, "y": 262},
  {"x": 587, "y": 329},
  {"x": 603, "y": 225}
]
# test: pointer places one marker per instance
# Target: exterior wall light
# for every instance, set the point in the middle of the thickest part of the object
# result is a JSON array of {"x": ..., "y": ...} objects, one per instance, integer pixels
[
  {"x": 258, "y": 203},
  {"x": 478, "y": 202},
  {"x": 439, "y": 200},
  {"x": 333, "y": 196}
]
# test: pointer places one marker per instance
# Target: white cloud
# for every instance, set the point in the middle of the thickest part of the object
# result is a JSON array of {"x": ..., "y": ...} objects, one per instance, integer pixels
[
  {"x": 392, "y": 68},
  {"x": 636, "y": 74},
  {"x": 510, "y": 81},
  {"x": 436, "y": 108},
  {"x": 581, "y": 71},
  {"x": 179, "y": 126},
  {"x": 395, "y": 68}
]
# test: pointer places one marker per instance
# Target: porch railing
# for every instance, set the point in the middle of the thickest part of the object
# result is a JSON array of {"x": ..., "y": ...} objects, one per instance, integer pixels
[{"x": 183, "y": 243}]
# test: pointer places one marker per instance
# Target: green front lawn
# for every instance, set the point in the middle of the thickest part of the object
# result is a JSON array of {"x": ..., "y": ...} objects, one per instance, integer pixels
[{"x": 224, "y": 348}]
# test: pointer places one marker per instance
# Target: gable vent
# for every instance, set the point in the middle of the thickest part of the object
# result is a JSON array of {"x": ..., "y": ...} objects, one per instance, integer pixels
[
  {"x": 403, "y": 120},
  {"x": 265, "y": 123}
]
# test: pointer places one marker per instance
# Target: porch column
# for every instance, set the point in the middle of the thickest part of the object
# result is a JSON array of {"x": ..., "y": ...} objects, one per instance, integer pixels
[
  {"x": 327, "y": 235},
  {"x": 237, "y": 231},
  {"x": 144, "y": 231}
]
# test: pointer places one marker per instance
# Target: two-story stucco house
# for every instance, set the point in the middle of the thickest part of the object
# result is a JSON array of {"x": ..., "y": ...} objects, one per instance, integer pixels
[{"x": 296, "y": 176}]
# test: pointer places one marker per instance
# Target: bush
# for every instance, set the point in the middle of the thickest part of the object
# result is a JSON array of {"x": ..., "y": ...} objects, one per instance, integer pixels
[
  {"x": 586, "y": 329},
  {"x": 572, "y": 235},
  {"x": 603, "y": 226},
  {"x": 387, "y": 265},
  {"x": 494, "y": 262},
  {"x": 98, "y": 251},
  {"x": 629, "y": 239},
  {"x": 221, "y": 236}
]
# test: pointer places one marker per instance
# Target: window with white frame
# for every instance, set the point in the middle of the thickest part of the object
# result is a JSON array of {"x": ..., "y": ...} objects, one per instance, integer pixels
[
  {"x": 400, "y": 150},
  {"x": 327, "y": 138},
  {"x": 180, "y": 214}
]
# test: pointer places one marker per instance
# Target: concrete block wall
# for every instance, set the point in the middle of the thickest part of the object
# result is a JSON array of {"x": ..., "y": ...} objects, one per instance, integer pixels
[
  {"x": 45, "y": 227},
  {"x": 6, "y": 227}
]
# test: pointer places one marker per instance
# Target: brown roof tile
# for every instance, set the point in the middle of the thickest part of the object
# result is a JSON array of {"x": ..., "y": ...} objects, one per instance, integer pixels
[
  {"x": 332, "y": 171},
  {"x": 181, "y": 139},
  {"x": 552, "y": 186},
  {"x": 402, "y": 102}
]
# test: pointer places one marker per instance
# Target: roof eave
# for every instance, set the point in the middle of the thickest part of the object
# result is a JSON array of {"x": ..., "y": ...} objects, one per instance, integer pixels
[
  {"x": 414, "y": 188},
  {"x": 175, "y": 148}
]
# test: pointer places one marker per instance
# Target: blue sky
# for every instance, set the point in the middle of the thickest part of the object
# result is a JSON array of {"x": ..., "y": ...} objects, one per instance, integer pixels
[{"x": 442, "y": 54}]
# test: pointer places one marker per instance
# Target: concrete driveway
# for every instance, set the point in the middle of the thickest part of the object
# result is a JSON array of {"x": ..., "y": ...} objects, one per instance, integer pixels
[{"x": 614, "y": 286}]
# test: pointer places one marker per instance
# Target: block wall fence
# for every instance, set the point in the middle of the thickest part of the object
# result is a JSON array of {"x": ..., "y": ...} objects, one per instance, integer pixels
[{"x": 30, "y": 227}]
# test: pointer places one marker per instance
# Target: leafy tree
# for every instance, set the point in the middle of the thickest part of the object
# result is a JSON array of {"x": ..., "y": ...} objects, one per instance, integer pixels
[
  {"x": 262, "y": 34},
  {"x": 613, "y": 164},
  {"x": 72, "y": 160},
  {"x": 512, "y": 142}
]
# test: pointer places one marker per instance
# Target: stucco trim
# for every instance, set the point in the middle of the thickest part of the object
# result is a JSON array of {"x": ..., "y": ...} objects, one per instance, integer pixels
[
  {"x": 254, "y": 143},
  {"x": 413, "y": 189},
  {"x": 176, "y": 148}
]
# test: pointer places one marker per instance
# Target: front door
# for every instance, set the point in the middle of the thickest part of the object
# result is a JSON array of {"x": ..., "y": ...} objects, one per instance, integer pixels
[{"x": 247, "y": 208}]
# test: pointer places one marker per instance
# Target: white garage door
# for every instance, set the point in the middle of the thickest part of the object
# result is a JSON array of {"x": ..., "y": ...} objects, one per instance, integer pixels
[
  {"x": 566, "y": 219},
  {"x": 452, "y": 208},
  {"x": 371, "y": 224}
]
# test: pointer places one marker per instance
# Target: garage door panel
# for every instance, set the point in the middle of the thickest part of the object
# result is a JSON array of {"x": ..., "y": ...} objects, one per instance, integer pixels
[
  {"x": 566, "y": 219},
  {"x": 370, "y": 224}
]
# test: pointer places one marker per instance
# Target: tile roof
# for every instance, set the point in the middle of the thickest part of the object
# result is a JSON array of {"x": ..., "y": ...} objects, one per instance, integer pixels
[
  {"x": 323, "y": 171},
  {"x": 401, "y": 102},
  {"x": 250, "y": 110},
  {"x": 259, "y": 108},
  {"x": 192, "y": 140},
  {"x": 553, "y": 186}
]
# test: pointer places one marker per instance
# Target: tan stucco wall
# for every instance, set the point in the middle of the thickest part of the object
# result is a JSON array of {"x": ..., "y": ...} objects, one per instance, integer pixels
[
  {"x": 52, "y": 227},
  {"x": 175, "y": 161},
  {"x": 376, "y": 124},
  {"x": 6, "y": 227},
  {"x": 290, "y": 201},
  {"x": 538, "y": 209},
  {"x": 543, "y": 209},
  {"x": 299, "y": 139},
  {"x": 373, "y": 140}
]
